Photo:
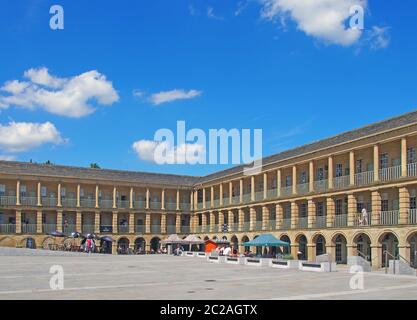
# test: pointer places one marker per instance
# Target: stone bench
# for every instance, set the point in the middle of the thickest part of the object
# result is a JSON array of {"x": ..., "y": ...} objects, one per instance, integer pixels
[
  {"x": 318, "y": 266},
  {"x": 285, "y": 264}
]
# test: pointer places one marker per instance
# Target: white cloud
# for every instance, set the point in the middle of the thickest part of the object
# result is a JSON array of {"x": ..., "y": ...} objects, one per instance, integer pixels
[
  {"x": 322, "y": 19},
  {"x": 161, "y": 152},
  {"x": 176, "y": 94},
  {"x": 23, "y": 136},
  {"x": 70, "y": 97},
  {"x": 7, "y": 157},
  {"x": 138, "y": 93},
  {"x": 378, "y": 37},
  {"x": 212, "y": 15}
]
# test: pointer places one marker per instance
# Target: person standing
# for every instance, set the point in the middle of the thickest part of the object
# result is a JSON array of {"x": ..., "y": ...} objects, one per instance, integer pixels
[{"x": 364, "y": 217}]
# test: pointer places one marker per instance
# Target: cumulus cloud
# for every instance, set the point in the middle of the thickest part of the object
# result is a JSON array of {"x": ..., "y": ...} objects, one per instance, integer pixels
[
  {"x": 24, "y": 136},
  {"x": 172, "y": 95},
  {"x": 70, "y": 97},
  {"x": 161, "y": 152},
  {"x": 322, "y": 19}
]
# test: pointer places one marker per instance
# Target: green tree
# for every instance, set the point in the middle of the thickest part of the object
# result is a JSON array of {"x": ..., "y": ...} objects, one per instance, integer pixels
[{"x": 94, "y": 166}]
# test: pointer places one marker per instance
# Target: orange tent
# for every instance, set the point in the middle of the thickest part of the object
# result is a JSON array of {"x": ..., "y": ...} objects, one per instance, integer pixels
[{"x": 210, "y": 245}]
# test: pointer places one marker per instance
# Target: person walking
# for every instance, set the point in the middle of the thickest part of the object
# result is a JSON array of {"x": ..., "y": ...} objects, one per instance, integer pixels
[{"x": 364, "y": 220}]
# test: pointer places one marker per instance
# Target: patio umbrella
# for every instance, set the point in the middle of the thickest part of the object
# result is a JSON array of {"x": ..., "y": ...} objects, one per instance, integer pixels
[
  {"x": 173, "y": 238},
  {"x": 266, "y": 240},
  {"x": 76, "y": 235},
  {"x": 57, "y": 234},
  {"x": 107, "y": 238}
]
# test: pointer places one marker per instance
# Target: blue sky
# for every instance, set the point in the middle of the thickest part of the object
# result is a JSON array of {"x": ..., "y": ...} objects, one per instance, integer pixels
[{"x": 242, "y": 64}]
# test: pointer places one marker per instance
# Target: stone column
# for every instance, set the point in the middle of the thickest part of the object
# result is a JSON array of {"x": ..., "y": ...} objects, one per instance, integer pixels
[
  {"x": 221, "y": 221},
  {"x": 230, "y": 192},
  {"x": 147, "y": 198},
  {"x": 178, "y": 199},
  {"x": 351, "y": 250},
  {"x": 147, "y": 222},
  {"x": 78, "y": 221},
  {"x": 241, "y": 190},
  {"x": 230, "y": 221},
  {"x": 163, "y": 199},
  {"x": 252, "y": 213},
  {"x": 131, "y": 222},
  {"x": 294, "y": 250},
  {"x": 331, "y": 250},
  {"x": 311, "y": 251},
  {"x": 97, "y": 222},
  {"x": 404, "y": 157},
  {"x": 265, "y": 218},
  {"x": 404, "y": 250},
  {"x": 330, "y": 211},
  {"x": 78, "y": 196},
  {"x": 279, "y": 216},
  {"x": 114, "y": 198},
  {"x": 203, "y": 222},
  {"x": 59, "y": 221},
  {"x": 265, "y": 186},
  {"x": 18, "y": 193},
  {"x": 204, "y": 198},
  {"x": 212, "y": 197},
  {"x": 352, "y": 210},
  {"x": 39, "y": 221},
  {"x": 163, "y": 223},
  {"x": 221, "y": 194},
  {"x": 352, "y": 168},
  {"x": 278, "y": 183},
  {"x": 59, "y": 198},
  {"x": 376, "y": 207},
  {"x": 311, "y": 176},
  {"x": 376, "y": 163},
  {"x": 252, "y": 188},
  {"x": 294, "y": 215},
  {"x": 376, "y": 253},
  {"x": 114, "y": 222},
  {"x": 330, "y": 172},
  {"x": 18, "y": 218},
  {"x": 97, "y": 197},
  {"x": 294, "y": 180},
  {"x": 178, "y": 223},
  {"x": 39, "y": 195},
  {"x": 131, "y": 199},
  {"x": 404, "y": 199},
  {"x": 311, "y": 213},
  {"x": 241, "y": 219},
  {"x": 212, "y": 222}
]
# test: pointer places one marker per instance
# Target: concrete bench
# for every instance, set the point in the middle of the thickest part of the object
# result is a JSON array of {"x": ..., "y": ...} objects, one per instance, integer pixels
[
  {"x": 318, "y": 266},
  {"x": 235, "y": 260},
  {"x": 285, "y": 264}
]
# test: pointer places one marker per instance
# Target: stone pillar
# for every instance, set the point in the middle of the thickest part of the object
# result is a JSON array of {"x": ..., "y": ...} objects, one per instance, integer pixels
[
  {"x": 221, "y": 194},
  {"x": 311, "y": 213},
  {"x": 204, "y": 198},
  {"x": 311, "y": 251},
  {"x": 376, "y": 163},
  {"x": 39, "y": 195},
  {"x": 18, "y": 193},
  {"x": 230, "y": 192},
  {"x": 147, "y": 198},
  {"x": 39, "y": 221},
  {"x": 163, "y": 199},
  {"x": 331, "y": 250},
  {"x": 114, "y": 198},
  {"x": 265, "y": 186},
  {"x": 330, "y": 211},
  {"x": 352, "y": 168},
  {"x": 78, "y": 221},
  {"x": 294, "y": 180},
  {"x": 404, "y": 157},
  {"x": 97, "y": 197},
  {"x": 178, "y": 199},
  {"x": 351, "y": 250},
  {"x": 311, "y": 176},
  {"x": 278, "y": 183},
  {"x": 147, "y": 222},
  {"x": 376, "y": 253},
  {"x": 78, "y": 196},
  {"x": 279, "y": 216},
  {"x": 241, "y": 190},
  {"x": 97, "y": 222},
  {"x": 114, "y": 222},
  {"x": 221, "y": 221},
  {"x": 203, "y": 222},
  {"x": 376, "y": 207},
  {"x": 294, "y": 215},
  {"x": 131, "y": 199},
  {"x": 252, "y": 213},
  {"x": 212, "y": 222},
  {"x": 404, "y": 199},
  {"x": 59, "y": 221},
  {"x": 265, "y": 218},
  {"x": 178, "y": 223},
  {"x": 404, "y": 250},
  {"x": 294, "y": 250},
  {"x": 59, "y": 198},
  {"x": 241, "y": 214},
  {"x": 352, "y": 210},
  {"x": 230, "y": 221},
  {"x": 18, "y": 218},
  {"x": 212, "y": 197},
  {"x": 252, "y": 188},
  {"x": 163, "y": 223},
  {"x": 330, "y": 172},
  {"x": 131, "y": 222}
]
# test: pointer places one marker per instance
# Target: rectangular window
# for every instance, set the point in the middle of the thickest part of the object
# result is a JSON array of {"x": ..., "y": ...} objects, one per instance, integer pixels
[
  {"x": 411, "y": 155},
  {"x": 81, "y": 192},
  {"x": 383, "y": 161},
  {"x": 303, "y": 177},
  {"x": 303, "y": 210},
  {"x": 359, "y": 206},
  {"x": 339, "y": 206},
  {"x": 63, "y": 192},
  {"x": 2, "y": 189},
  {"x": 319, "y": 209},
  {"x": 43, "y": 191},
  {"x": 274, "y": 183},
  {"x": 413, "y": 203},
  {"x": 288, "y": 181},
  {"x": 339, "y": 170},
  {"x": 23, "y": 191},
  {"x": 384, "y": 205},
  {"x": 320, "y": 174}
]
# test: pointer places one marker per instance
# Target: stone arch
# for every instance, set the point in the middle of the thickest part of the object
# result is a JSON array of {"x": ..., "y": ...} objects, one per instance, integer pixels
[
  {"x": 8, "y": 242},
  {"x": 284, "y": 237},
  {"x": 362, "y": 242},
  {"x": 411, "y": 240},
  {"x": 245, "y": 238},
  {"x": 155, "y": 243},
  {"x": 302, "y": 242},
  {"x": 388, "y": 240},
  {"x": 206, "y": 238},
  {"x": 215, "y": 237},
  {"x": 224, "y": 238},
  {"x": 234, "y": 241},
  {"x": 320, "y": 241},
  {"x": 123, "y": 245},
  {"x": 28, "y": 242},
  {"x": 339, "y": 241},
  {"x": 47, "y": 242},
  {"x": 140, "y": 245}
]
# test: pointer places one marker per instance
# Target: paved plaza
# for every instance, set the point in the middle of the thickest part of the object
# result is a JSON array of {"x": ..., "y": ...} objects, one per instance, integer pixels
[{"x": 24, "y": 274}]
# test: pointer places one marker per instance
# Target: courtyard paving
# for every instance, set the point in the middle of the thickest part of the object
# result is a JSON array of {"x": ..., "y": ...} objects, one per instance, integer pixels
[{"x": 24, "y": 274}]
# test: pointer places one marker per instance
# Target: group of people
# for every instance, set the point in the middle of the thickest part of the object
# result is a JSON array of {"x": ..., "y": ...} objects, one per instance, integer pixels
[{"x": 226, "y": 251}]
